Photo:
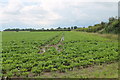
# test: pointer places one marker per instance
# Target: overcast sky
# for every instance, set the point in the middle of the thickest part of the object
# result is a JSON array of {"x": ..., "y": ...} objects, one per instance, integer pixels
[{"x": 55, "y": 13}]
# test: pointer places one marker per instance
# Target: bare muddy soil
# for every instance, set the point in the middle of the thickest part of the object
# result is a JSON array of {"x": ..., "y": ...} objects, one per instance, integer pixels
[{"x": 44, "y": 48}]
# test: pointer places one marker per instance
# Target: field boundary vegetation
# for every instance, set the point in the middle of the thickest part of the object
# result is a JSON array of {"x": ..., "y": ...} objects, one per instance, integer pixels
[{"x": 112, "y": 26}]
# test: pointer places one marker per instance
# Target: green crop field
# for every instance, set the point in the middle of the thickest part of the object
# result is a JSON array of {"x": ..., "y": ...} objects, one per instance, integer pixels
[{"x": 29, "y": 54}]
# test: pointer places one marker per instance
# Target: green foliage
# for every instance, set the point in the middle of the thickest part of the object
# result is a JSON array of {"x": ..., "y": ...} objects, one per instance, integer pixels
[
  {"x": 25, "y": 74},
  {"x": 9, "y": 74},
  {"x": 113, "y": 26},
  {"x": 21, "y": 57}
]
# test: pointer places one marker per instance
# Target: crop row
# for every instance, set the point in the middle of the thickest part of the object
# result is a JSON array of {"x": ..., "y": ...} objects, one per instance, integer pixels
[{"x": 79, "y": 50}]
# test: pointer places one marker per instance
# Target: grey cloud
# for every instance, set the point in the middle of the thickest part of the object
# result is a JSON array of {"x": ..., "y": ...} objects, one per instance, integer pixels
[{"x": 80, "y": 14}]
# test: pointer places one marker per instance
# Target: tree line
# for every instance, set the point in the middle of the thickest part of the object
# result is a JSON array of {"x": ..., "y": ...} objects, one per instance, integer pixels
[
  {"x": 52, "y": 29},
  {"x": 112, "y": 26}
]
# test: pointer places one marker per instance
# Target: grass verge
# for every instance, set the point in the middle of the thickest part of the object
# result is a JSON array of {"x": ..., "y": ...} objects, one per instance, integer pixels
[
  {"x": 97, "y": 71},
  {"x": 109, "y": 36}
]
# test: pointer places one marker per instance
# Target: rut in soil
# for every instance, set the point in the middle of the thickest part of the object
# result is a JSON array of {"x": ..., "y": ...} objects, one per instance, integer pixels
[{"x": 44, "y": 48}]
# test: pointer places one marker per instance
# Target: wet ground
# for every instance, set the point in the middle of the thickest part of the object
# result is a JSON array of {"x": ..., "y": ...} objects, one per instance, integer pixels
[{"x": 44, "y": 48}]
